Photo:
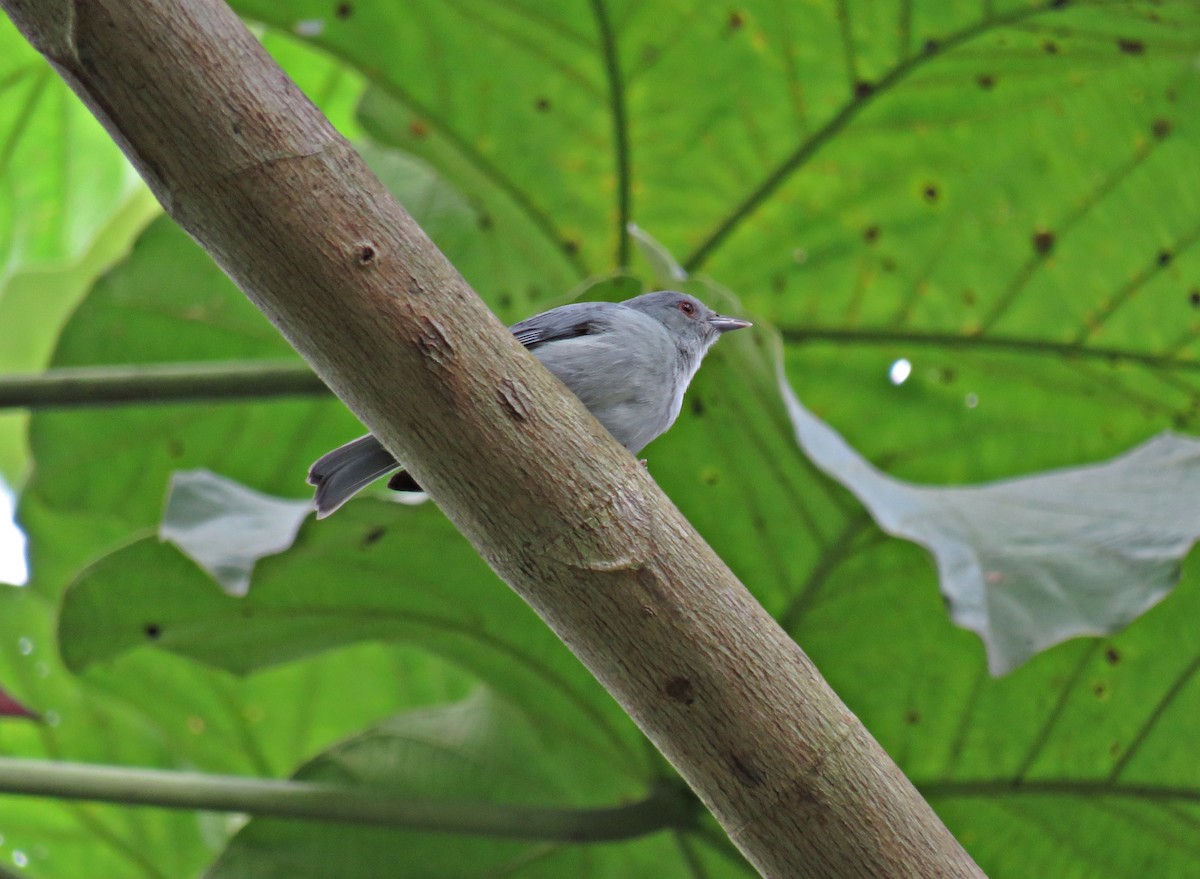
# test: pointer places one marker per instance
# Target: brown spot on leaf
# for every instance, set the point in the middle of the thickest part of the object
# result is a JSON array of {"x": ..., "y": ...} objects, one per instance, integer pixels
[
  {"x": 1131, "y": 47},
  {"x": 736, "y": 20},
  {"x": 1194, "y": 297},
  {"x": 930, "y": 47},
  {"x": 542, "y": 105},
  {"x": 930, "y": 192},
  {"x": 871, "y": 234},
  {"x": 986, "y": 81},
  {"x": 1164, "y": 257},
  {"x": 1050, "y": 47},
  {"x": 418, "y": 128},
  {"x": 863, "y": 89},
  {"x": 343, "y": 11},
  {"x": 1043, "y": 242},
  {"x": 1161, "y": 128},
  {"x": 1112, "y": 655},
  {"x": 152, "y": 630},
  {"x": 373, "y": 536},
  {"x": 912, "y": 718},
  {"x": 366, "y": 254},
  {"x": 571, "y": 246}
]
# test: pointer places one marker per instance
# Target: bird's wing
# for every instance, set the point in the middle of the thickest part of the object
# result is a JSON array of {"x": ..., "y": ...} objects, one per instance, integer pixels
[{"x": 565, "y": 322}]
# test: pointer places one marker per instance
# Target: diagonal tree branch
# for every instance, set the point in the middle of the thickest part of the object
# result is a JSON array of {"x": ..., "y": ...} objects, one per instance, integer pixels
[{"x": 242, "y": 160}]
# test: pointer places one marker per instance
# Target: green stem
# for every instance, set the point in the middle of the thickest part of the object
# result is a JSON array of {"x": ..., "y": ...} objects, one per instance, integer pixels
[
  {"x": 667, "y": 806},
  {"x": 158, "y": 383},
  {"x": 1157, "y": 793},
  {"x": 1000, "y": 343}
]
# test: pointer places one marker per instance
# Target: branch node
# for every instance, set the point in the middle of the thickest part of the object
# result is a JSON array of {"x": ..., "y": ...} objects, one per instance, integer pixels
[
  {"x": 514, "y": 399},
  {"x": 433, "y": 341}
]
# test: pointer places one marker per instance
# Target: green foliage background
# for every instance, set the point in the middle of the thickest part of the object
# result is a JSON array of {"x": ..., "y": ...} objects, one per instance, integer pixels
[{"x": 1006, "y": 194}]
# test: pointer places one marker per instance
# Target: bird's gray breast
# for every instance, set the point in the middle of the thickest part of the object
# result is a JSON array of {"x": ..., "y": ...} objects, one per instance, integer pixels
[{"x": 627, "y": 374}]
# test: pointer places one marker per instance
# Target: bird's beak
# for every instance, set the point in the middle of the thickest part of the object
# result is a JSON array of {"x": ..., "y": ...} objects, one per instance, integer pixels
[{"x": 723, "y": 324}]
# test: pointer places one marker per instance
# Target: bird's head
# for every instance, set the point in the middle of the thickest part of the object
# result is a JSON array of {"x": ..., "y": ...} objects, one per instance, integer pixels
[{"x": 692, "y": 323}]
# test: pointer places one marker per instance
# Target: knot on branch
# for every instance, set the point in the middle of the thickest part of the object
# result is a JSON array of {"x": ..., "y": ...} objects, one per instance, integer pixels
[
  {"x": 433, "y": 341},
  {"x": 514, "y": 399}
]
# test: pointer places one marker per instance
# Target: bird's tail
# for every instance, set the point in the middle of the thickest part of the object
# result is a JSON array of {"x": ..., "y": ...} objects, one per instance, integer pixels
[{"x": 342, "y": 473}]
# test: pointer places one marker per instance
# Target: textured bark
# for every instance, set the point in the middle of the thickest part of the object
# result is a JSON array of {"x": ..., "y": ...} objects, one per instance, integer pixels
[{"x": 243, "y": 161}]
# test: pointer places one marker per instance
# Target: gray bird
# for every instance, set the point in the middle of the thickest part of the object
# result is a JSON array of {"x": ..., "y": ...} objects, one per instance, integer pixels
[{"x": 629, "y": 362}]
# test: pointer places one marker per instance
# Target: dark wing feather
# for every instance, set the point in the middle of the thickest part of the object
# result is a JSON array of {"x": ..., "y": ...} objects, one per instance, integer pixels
[{"x": 565, "y": 322}]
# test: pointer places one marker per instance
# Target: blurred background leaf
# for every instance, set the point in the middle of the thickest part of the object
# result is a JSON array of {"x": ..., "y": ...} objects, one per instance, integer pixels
[{"x": 1003, "y": 194}]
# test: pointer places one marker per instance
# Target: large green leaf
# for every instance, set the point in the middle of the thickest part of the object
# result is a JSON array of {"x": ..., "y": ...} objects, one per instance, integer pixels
[
  {"x": 61, "y": 176},
  {"x": 1005, "y": 194},
  {"x": 333, "y": 589},
  {"x": 395, "y": 573},
  {"x": 158, "y": 710}
]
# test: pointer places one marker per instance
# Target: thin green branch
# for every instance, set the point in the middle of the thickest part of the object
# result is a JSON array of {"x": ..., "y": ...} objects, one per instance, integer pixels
[
  {"x": 865, "y": 93},
  {"x": 258, "y": 379},
  {"x": 667, "y": 806},
  {"x": 158, "y": 383},
  {"x": 992, "y": 788},
  {"x": 620, "y": 125},
  {"x": 1000, "y": 343}
]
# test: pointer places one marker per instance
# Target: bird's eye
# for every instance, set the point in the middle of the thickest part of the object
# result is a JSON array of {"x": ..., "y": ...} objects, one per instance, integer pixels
[{"x": 687, "y": 308}]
